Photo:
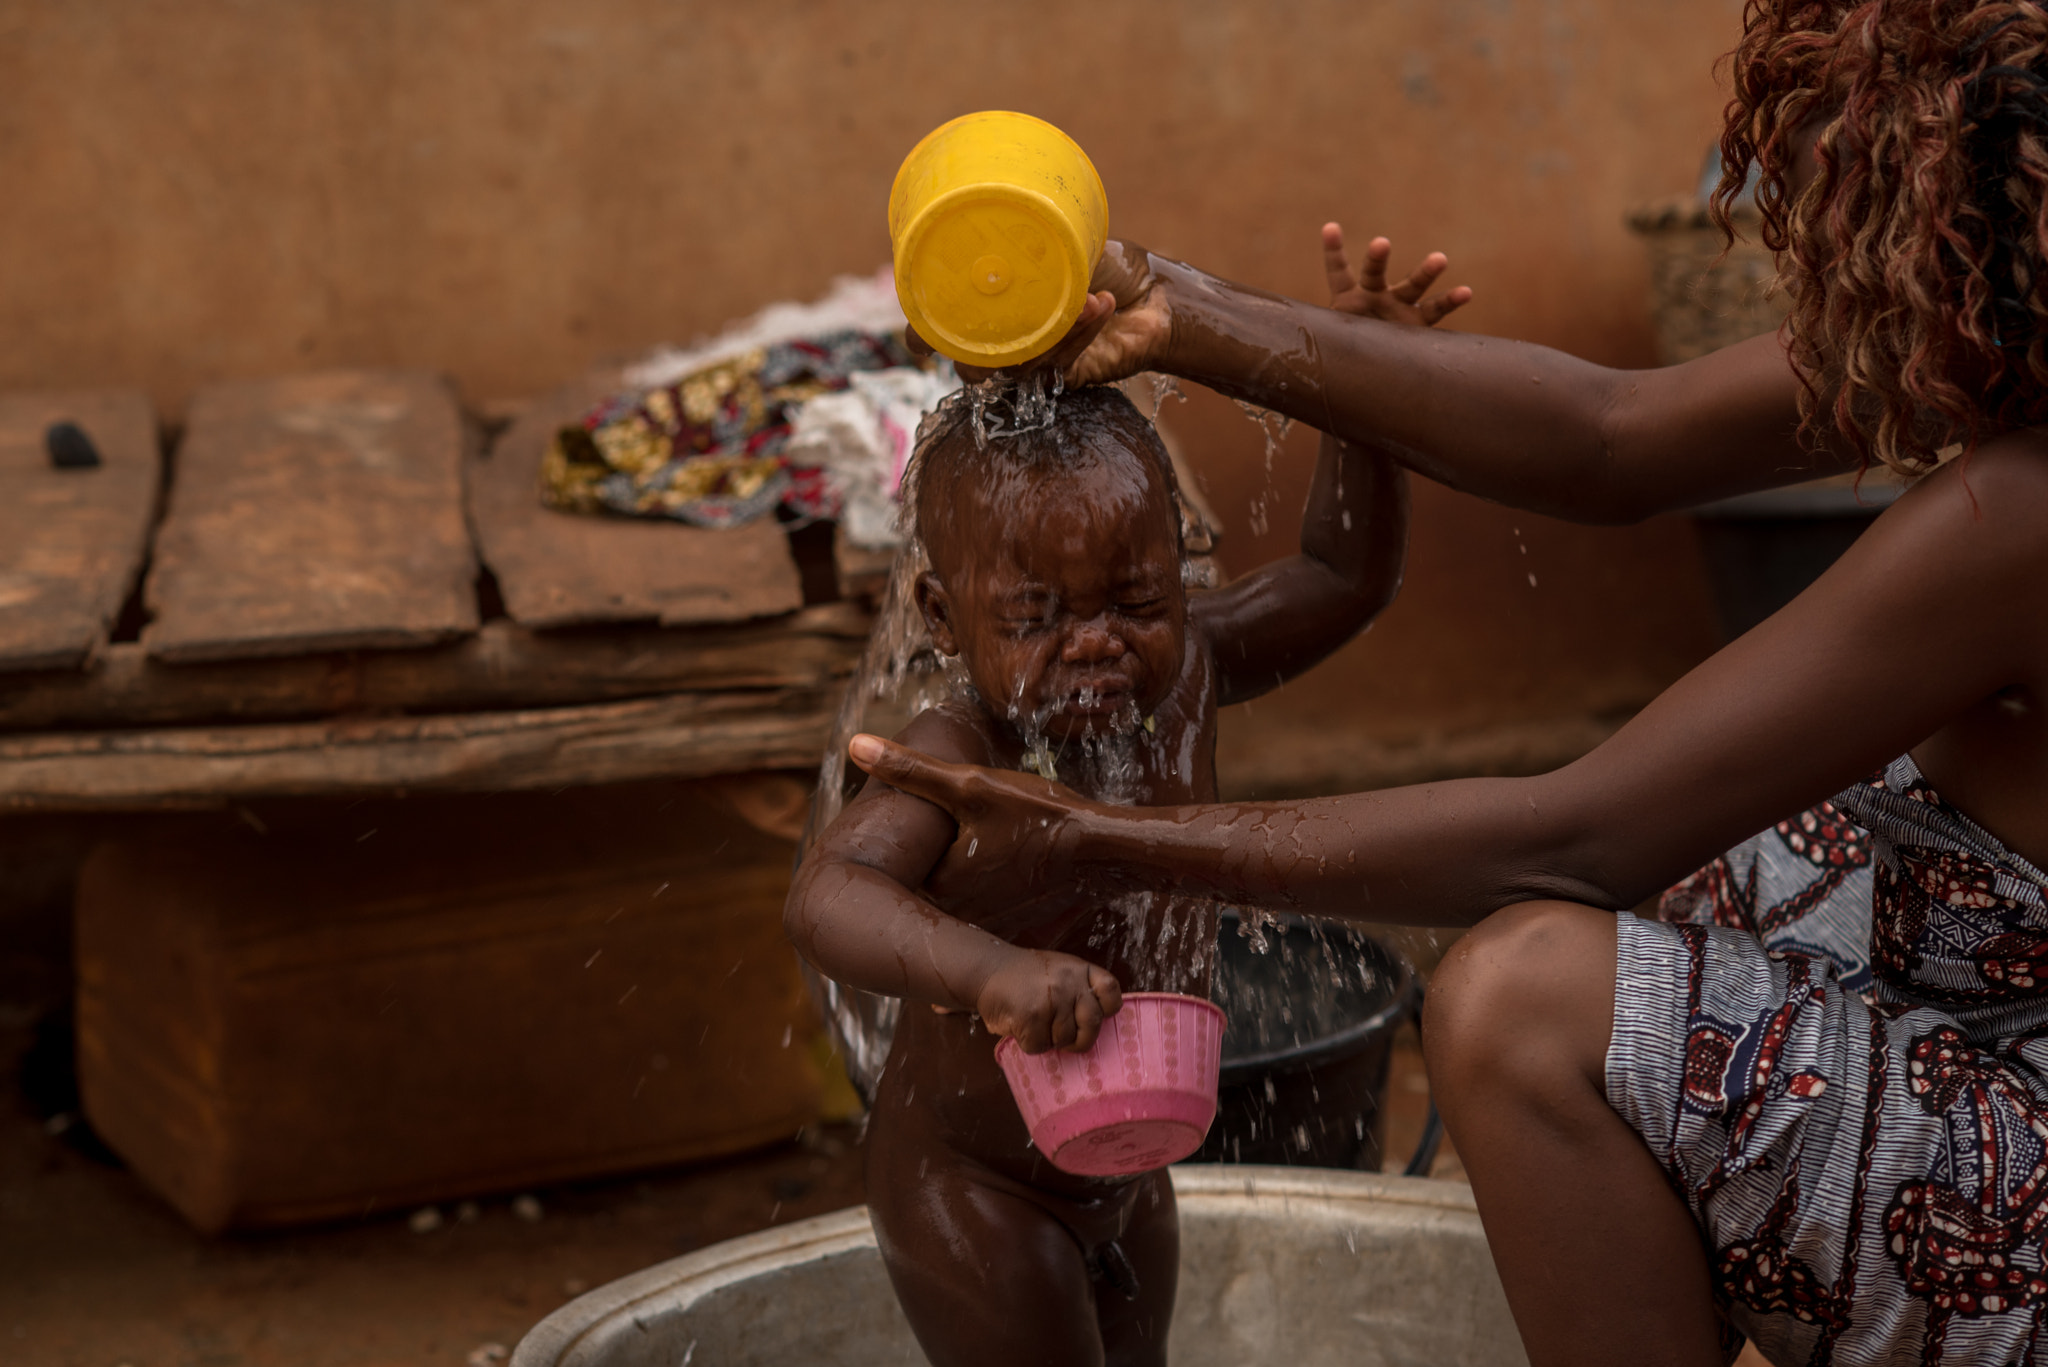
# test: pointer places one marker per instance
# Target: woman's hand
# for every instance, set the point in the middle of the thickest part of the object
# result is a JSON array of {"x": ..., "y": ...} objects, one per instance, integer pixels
[
  {"x": 1122, "y": 327},
  {"x": 1045, "y": 1000},
  {"x": 1127, "y": 321},
  {"x": 1368, "y": 293},
  {"x": 1014, "y": 829}
]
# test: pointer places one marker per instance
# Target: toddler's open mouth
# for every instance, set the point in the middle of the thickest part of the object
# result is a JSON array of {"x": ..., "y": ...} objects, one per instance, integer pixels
[{"x": 1097, "y": 699}]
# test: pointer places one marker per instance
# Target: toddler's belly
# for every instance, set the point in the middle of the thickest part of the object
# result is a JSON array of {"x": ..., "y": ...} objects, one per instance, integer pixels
[{"x": 944, "y": 1092}]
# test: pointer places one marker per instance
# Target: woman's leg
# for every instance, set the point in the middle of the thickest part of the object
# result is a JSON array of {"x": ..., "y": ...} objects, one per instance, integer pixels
[{"x": 1601, "y": 1260}]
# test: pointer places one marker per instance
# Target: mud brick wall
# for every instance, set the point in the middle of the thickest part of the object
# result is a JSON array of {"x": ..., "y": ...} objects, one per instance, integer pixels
[{"x": 511, "y": 191}]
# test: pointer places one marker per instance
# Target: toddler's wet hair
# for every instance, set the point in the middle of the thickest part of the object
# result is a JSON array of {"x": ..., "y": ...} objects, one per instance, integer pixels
[{"x": 1097, "y": 426}]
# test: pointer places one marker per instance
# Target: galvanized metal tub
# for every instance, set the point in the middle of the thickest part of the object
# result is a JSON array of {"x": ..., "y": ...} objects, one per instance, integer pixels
[{"x": 1297, "y": 1265}]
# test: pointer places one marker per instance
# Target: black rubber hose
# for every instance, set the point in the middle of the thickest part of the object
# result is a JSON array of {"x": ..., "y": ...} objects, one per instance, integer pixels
[
  {"x": 1426, "y": 1147},
  {"x": 1424, "y": 1157}
]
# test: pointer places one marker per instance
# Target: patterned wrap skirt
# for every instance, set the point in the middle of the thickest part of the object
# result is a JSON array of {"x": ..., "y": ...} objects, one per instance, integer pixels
[{"x": 1836, "y": 1044}]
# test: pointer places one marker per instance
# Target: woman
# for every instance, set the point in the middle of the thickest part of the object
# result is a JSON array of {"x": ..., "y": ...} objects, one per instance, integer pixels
[{"x": 1668, "y": 1130}]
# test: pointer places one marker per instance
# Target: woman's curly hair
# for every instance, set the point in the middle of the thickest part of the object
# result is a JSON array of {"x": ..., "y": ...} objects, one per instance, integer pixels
[{"x": 1915, "y": 260}]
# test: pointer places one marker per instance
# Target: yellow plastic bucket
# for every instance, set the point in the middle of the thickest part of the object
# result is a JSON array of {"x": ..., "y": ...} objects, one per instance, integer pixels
[{"x": 997, "y": 221}]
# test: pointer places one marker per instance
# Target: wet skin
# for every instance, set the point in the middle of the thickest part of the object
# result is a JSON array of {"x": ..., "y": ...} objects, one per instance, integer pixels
[
  {"x": 1925, "y": 637},
  {"x": 1061, "y": 595}
]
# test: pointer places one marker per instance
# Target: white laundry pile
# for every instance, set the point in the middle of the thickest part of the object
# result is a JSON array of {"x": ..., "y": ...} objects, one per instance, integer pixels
[{"x": 862, "y": 437}]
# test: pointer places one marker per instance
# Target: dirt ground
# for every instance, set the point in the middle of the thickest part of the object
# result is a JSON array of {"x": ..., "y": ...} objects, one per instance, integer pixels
[{"x": 95, "y": 1271}]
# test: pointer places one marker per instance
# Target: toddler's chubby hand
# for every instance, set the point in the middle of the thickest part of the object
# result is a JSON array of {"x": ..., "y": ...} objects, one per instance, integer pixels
[
  {"x": 1045, "y": 1000},
  {"x": 1368, "y": 293}
]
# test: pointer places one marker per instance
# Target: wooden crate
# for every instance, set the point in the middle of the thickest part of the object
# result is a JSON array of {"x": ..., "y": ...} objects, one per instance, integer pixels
[{"x": 308, "y": 1010}]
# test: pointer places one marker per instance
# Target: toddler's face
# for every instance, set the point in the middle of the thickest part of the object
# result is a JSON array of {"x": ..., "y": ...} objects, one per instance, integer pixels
[{"x": 1065, "y": 603}]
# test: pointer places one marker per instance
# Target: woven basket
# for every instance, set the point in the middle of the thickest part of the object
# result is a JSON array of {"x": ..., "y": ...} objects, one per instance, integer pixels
[{"x": 1701, "y": 301}]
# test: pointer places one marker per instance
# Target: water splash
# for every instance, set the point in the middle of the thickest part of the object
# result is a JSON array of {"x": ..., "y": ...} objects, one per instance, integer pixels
[
  {"x": 1253, "y": 923},
  {"x": 1164, "y": 387},
  {"x": 1012, "y": 406},
  {"x": 1274, "y": 427}
]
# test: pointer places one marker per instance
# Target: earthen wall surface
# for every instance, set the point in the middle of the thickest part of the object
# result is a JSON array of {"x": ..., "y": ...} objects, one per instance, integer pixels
[{"x": 511, "y": 191}]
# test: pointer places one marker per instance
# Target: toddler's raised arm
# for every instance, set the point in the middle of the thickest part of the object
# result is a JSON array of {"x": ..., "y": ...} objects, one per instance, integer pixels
[
  {"x": 1275, "y": 622},
  {"x": 1284, "y": 617}
]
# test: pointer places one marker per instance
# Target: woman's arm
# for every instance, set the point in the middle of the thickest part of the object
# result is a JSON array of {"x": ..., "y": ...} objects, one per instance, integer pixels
[
  {"x": 1912, "y": 626},
  {"x": 1509, "y": 421},
  {"x": 1280, "y": 619}
]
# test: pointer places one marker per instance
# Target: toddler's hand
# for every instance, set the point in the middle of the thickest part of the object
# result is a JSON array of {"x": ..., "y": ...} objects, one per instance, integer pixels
[
  {"x": 1368, "y": 293},
  {"x": 1047, "y": 1001}
]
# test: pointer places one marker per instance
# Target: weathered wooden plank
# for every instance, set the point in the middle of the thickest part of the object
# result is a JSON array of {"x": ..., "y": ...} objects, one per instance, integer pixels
[
  {"x": 863, "y": 571},
  {"x": 314, "y": 513},
  {"x": 503, "y": 665},
  {"x": 71, "y": 541},
  {"x": 683, "y": 735},
  {"x": 564, "y": 569}
]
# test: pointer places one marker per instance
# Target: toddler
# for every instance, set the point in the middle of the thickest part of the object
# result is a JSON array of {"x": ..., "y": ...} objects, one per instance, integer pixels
[{"x": 1056, "y": 585}]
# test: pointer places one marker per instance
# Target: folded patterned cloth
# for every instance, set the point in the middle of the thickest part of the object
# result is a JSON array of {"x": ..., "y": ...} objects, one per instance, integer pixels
[{"x": 710, "y": 448}]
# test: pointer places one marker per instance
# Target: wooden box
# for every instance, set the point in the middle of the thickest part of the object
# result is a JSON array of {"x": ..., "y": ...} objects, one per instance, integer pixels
[{"x": 304, "y": 1010}]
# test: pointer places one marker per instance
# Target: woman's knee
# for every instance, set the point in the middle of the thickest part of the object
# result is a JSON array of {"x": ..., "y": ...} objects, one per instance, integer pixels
[{"x": 1526, "y": 991}]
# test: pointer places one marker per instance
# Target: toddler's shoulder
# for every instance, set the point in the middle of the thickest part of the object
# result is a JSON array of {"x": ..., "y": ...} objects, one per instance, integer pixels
[{"x": 955, "y": 730}]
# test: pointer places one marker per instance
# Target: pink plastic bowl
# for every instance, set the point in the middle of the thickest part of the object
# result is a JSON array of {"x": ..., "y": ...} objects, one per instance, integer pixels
[{"x": 1143, "y": 1097}]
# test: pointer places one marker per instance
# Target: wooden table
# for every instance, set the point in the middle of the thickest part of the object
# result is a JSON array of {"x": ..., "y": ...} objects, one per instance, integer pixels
[
  {"x": 538, "y": 935},
  {"x": 348, "y": 589}
]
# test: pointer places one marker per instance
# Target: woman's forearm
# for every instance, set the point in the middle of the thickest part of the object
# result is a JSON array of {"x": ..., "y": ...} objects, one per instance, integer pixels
[
  {"x": 1509, "y": 421},
  {"x": 1405, "y": 856}
]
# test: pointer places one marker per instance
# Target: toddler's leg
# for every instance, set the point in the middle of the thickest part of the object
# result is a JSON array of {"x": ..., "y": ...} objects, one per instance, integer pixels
[
  {"x": 986, "y": 1278},
  {"x": 1134, "y": 1328}
]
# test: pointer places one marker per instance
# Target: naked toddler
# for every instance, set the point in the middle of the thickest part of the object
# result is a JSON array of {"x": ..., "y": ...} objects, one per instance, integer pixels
[{"x": 1056, "y": 585}]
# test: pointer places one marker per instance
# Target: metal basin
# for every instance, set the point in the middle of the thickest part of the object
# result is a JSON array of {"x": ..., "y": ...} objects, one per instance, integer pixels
[{"x": 1293, "y": 1265}]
